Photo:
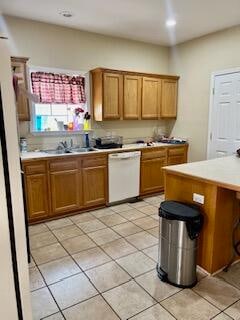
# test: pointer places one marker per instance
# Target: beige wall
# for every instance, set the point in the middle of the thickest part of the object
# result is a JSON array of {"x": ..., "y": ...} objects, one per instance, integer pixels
[
  {"x": 54, "y": 46},
  {"x": 194, "y": 61}
]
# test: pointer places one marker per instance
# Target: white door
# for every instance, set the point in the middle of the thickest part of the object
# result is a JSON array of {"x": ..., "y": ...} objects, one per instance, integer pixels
[{"x": 225, "y": 116}]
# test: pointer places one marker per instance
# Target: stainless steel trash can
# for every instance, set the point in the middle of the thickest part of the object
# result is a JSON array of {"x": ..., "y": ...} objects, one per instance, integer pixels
[{"x": 180, "y": 225}]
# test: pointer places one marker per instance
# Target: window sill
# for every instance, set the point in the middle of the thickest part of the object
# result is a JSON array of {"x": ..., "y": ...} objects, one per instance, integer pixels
[{"x": 59, "y": 133}]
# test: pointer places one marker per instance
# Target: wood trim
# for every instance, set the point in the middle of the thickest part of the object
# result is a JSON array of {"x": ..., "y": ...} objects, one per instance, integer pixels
[
  {"x": 20, "y": 59},
  {"x": 134, "y": 73},
  {"x": 212, "y": 182},
  {"x": 97, "y": 94}
]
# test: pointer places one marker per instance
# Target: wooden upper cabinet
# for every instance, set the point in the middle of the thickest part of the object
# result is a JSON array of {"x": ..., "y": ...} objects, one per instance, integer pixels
[
  {"x": 151, "y": 98},
  {"x": 19, "y": 69},
  {"x": 169, "y": 98},
  {"x": 112, "y": 96},
  {"x": 132, "y": 97},
  {"x": 120, "y": 95}
]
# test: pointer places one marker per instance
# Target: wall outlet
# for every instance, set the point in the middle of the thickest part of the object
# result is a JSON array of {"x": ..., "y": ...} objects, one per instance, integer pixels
[{"x": 199, "y": 198}]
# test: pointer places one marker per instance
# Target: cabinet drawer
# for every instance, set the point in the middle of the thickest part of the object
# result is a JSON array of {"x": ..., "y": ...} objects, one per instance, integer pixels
[
  {"x": 176, "y": 151},
  {"x": 94, "y": 162},
  {"x": 152, "y": 154},
  {"x": 35, "y": 168},
  {"x": 62, "y": 165}
]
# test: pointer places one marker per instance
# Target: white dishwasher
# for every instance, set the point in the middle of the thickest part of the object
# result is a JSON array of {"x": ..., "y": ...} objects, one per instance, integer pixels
[{"x": 123, "y": 175}]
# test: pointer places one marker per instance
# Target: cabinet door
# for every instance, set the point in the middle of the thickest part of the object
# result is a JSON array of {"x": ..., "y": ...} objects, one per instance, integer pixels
[
  {"x": 19, "y": 69},
  {"x": 36, "y": 191},
  {"x": 112, "y": 96},
  {"x": 169, "y": 98},
  {"x": 94, "y": 185},
  {"x": 132, "y": 97},
  {"x": 176, "y": 159},
  {"x": 151, "y": 98},
  {"x": 65, "y": 191},
  {"x": 152, "y": 175},
  {"x": 177, "y": 155}
]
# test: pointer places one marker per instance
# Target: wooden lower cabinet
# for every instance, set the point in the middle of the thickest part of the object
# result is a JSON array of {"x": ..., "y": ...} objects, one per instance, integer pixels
[
  {"x": 94, "y": 185},
  {"x": 178, "y": 159},
  {"x": 65, "y": 191},
  {"x": 152, "y": 175},
  {"x": 66, "y": 185},
  {"x": 36, "y": 186},
  {"x": 177, "y": 155}
]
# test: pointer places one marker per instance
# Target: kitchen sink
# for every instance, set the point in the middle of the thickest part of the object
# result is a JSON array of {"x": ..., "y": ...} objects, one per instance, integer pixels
[
  {"x": 66, "y": 151},
  {"x": 56, "y": 151},
  {"x": 83, "y": 150}
]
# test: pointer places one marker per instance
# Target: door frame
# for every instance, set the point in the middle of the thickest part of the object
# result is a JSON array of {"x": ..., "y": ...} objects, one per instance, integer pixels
[{"x": 211, "y": 102}]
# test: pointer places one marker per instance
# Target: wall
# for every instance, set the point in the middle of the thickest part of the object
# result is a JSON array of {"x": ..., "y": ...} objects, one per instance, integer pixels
[
  {"x": 194, "y": 61},
  {"x": 54, "y": 46}
]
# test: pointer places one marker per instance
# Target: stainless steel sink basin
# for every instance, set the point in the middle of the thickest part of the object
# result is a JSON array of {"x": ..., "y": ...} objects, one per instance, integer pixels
[
  {"x": 56, "y": 151},
  {"x": 66, "y": 151},
  {"x": 79, "y": 150}
]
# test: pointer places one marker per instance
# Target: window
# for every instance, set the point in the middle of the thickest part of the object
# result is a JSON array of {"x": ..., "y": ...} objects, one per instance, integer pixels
[{"x": 61, "y": 100}]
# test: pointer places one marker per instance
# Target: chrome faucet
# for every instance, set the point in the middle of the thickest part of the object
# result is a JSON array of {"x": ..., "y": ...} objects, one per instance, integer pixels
[{"x": 63, "y": 145}]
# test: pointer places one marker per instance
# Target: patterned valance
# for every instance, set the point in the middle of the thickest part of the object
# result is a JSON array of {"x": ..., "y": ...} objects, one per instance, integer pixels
[{"x": 58, "y": 88}]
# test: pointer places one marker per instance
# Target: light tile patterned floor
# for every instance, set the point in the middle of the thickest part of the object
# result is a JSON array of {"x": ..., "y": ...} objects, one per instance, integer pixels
[{"x": 101, "y": 266}]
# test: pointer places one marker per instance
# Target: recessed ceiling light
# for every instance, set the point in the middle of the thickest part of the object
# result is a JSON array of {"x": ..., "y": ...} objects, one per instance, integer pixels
[
  {"x": 66, "y": 14},
  {"x": 171, "y": 23}
]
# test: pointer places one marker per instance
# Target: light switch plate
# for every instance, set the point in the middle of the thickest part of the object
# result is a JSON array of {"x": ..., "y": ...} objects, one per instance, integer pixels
[{"x": 199, "y": 198}]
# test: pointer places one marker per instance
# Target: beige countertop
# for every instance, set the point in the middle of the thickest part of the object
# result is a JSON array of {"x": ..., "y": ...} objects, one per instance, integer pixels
[
  {"x": 127, "y": 147},
  {"x": 224, "y": 172}
]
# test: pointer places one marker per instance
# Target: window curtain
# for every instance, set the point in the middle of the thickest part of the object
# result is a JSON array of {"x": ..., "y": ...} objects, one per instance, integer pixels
[{"x": 58, "y": 88}]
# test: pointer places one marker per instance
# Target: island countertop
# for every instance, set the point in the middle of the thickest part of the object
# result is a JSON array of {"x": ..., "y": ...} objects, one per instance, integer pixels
[{"x": 224, "y": 172}]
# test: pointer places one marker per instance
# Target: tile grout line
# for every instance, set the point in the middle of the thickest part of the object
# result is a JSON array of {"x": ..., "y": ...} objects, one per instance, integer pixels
[{"x": 112, "y": 259}]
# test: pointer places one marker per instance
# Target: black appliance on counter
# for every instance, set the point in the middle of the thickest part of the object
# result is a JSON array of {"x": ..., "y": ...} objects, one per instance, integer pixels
[{"x": 109, "y": 142}]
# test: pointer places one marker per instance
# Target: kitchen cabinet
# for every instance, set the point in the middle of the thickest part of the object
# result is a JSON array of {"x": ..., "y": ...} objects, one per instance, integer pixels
[
  {"x": 169, "y": 98},
  {"x": 107, "y": 95},
  {"x": 177, "y": 155},
  {"x": 60, "y": 186},
  {"x": 65, "y": 186},
  {"x": 125, "y": 95},
  {"x": 132, "y": 97},
  {"x": 36, "y": 191},
  {"x": 152, "y": 162},
  {"x": 94, "y": 174},
  {"x": 151, "y": 98},
  {"x": 112, "y": 96},
  {"x": 19, "y": 69}
]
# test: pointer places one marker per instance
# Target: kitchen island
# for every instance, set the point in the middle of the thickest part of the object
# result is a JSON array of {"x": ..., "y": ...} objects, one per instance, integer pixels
[{"x": 218, "y": 181}]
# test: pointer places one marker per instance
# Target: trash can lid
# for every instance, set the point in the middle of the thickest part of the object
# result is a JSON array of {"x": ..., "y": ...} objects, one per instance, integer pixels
[{"x": 174, "y": 210}]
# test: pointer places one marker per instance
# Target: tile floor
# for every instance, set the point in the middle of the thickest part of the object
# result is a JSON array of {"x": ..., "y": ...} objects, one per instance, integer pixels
[{"x": 101, "y": 266}]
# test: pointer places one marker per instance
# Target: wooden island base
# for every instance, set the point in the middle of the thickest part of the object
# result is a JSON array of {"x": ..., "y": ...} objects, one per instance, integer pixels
[{"x": 220, "y": 210}]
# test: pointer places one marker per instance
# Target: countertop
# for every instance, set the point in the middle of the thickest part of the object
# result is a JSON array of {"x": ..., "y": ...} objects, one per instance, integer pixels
[
  {"x": 223, "y": 172},
  {"x": 127, "y": 147}
]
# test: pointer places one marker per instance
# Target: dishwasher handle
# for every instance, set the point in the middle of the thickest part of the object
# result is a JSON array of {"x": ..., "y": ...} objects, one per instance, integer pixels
[{"x": 125, "y": 155}]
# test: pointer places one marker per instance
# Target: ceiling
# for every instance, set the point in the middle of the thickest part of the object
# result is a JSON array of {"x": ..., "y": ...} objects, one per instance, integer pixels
[{"x": 142, "y": 20}]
